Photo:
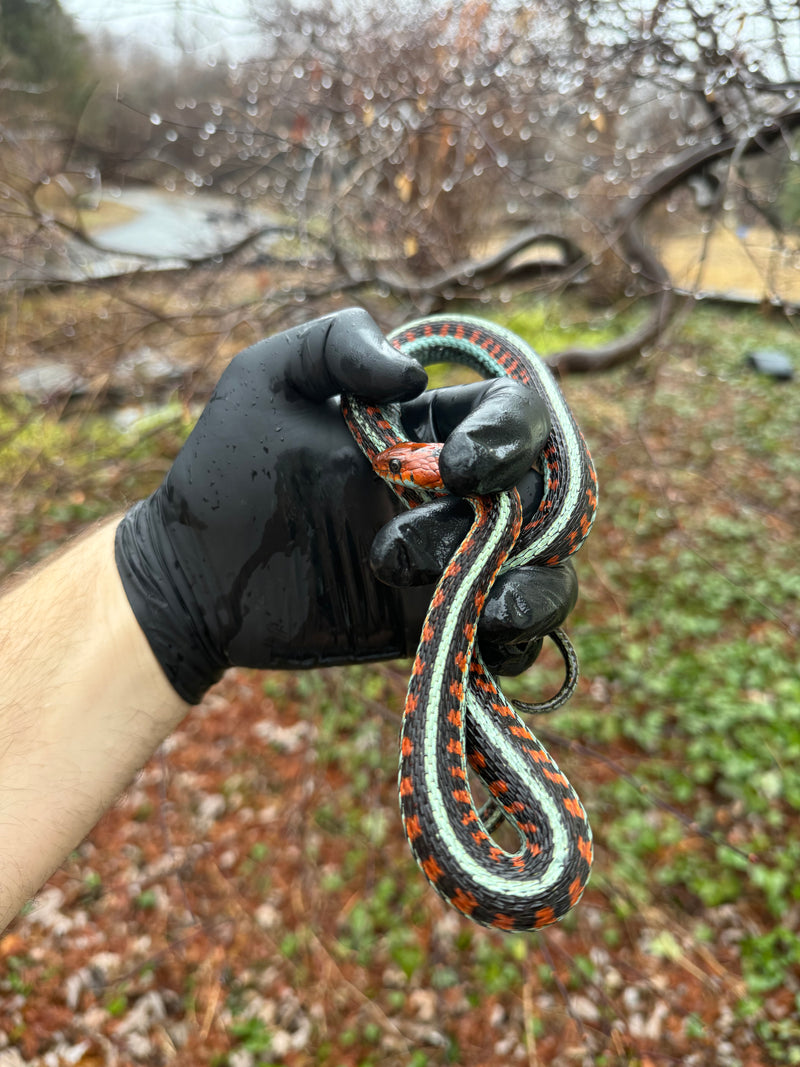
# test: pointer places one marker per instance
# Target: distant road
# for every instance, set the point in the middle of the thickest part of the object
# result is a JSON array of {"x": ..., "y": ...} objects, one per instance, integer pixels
[
  {"x": 167, "y": 228},
  {"x": 174, "y": 226}
]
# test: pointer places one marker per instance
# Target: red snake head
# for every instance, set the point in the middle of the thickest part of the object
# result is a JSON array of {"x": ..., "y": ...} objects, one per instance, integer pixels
[{"x": 413, "y": 465}]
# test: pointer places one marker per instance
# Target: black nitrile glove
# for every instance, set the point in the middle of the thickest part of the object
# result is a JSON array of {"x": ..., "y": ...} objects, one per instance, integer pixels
[
  {"x": 255, "y": 549},
  {"x": 498, "y": 429}
]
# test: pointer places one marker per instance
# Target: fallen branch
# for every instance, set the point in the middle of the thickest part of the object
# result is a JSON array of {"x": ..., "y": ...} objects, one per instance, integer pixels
[
  {"x": 475, "y": 274},
  {"x": 626, "y": 235}
]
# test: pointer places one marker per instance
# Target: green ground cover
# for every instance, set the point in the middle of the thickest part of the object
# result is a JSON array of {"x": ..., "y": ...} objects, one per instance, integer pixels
[{"x": 301, "y": 913}]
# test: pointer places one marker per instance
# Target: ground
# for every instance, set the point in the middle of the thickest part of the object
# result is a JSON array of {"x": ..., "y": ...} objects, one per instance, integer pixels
[{"x": 252, "y": 900}]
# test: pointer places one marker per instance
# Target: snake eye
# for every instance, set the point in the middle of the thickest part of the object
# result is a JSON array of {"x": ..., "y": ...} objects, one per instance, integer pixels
[{"x": 395, "y": 466}]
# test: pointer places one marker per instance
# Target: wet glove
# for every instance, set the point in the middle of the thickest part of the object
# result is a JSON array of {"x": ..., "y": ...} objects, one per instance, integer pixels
[{"x": 272, "y": 544}]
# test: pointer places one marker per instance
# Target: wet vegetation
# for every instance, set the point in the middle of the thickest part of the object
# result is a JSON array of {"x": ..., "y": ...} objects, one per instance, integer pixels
[
  {"x": 251, "y": 901},
  {"x": 255, "y": 885}
]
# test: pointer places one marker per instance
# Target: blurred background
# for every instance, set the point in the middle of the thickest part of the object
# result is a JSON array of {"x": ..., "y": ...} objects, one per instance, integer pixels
[{"x": 616, "y": 181}]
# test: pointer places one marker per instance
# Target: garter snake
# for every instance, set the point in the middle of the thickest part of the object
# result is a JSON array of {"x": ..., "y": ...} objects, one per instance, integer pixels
[{"x": 455, "y": 713}]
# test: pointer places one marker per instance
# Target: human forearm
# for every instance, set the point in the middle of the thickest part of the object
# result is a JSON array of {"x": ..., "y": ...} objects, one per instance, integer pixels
[
  {"x": 83, "y": 704},
  {"x": 257, "y": 550}
]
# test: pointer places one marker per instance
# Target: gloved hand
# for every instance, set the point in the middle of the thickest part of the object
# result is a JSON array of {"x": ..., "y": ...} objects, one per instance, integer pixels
[{"x": 255, "y": 549}]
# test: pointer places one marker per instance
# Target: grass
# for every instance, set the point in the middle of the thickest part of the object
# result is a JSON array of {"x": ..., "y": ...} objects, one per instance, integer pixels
[
  {"x": 689, "y": 626},
  {"x": 58, "y": 474},
  {"x": 683, "y": 741},
  {"x": 105, "y": 216},
  {"x": 61, "y": 202}
]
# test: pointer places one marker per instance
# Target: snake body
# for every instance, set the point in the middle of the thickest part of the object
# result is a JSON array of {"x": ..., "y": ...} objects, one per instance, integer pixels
[{"x": 455, "y": 713}]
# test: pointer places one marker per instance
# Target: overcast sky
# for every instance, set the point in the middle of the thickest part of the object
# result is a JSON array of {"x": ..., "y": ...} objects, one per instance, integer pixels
[
  {"x": 223, "y": 27},
  {"x": 212, "y": 27}
]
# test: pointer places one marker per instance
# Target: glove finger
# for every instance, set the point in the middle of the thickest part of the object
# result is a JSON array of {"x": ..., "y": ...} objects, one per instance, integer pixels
[
  {"x": 529, "y": 602},
  {"x": 524, "y": 606},
  {"x": 509, "y": 659},
  {"x": 493, "y": 432},
  {"x": 415, "y": 546},
  {"x": 346, "y": 352}
]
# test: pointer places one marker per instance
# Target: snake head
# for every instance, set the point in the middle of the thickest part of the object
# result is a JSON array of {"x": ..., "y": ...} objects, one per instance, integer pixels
[{"x": 413, "y": 465}]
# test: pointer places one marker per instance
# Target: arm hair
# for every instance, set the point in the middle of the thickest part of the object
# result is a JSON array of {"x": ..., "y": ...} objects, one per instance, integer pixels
[{"x": 83, "y": 705}]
